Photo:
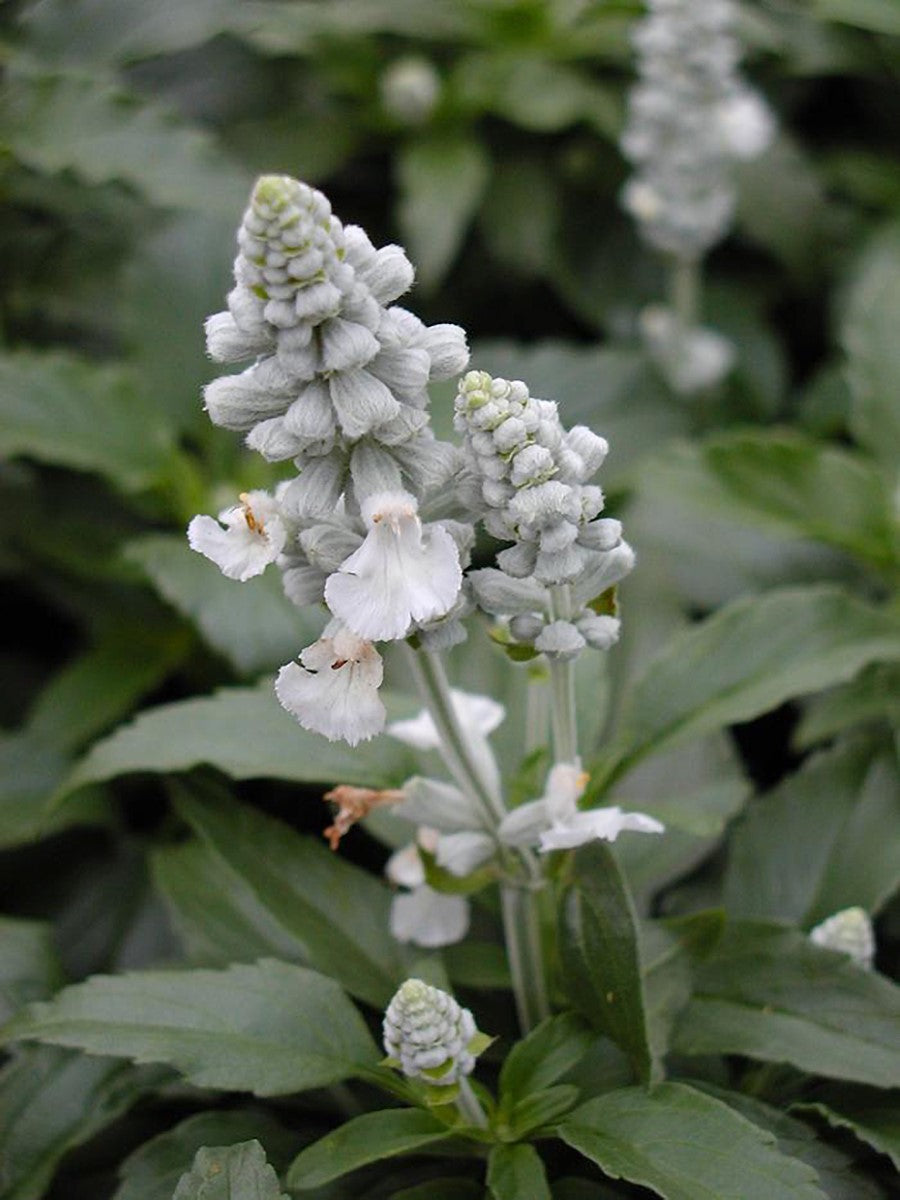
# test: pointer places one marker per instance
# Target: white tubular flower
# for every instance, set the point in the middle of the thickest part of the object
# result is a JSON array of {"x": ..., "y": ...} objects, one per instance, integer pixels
[
  {"x": 428, "y": 918},
  {"x": 850, "y": 932},
  {"x": 555, "y": 822},
  {"x": 335, "y": 691},
  {"x": 428, "y": 1034},
  {"x": 475, "y": 714},
  {"x": 401, "y": 574},
  {"x": 254, "y": 536}
]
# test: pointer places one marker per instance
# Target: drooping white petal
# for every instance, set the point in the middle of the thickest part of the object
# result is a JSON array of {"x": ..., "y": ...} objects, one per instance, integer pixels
[
  {"x": 429, "y": 918},
  {"x": 475, "y": 714},
  {"x": 604, "y": 823},
  {"x": 335, "y": 691},
  {"x": 402, "y": 573},
  {"x": 405, "y": 867},
  {"x": 254, "y": 536},
  {"x": 524, "y": 824}
]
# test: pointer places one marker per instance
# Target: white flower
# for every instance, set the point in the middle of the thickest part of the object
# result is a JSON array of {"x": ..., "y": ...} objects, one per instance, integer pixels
[
  {"x": 850, "y": 932},
  {"x": 429, "y": 918},
  {"x": 401, "y": 574},
  {"x": 422, "y": 915},
  {"x": 556, "y": 823},
  {"x": 746, "y": 125},
  {"x": 335, "y": 692},
  {"x": 254, "y": 536},
  {"x": 475, "y": 714}
]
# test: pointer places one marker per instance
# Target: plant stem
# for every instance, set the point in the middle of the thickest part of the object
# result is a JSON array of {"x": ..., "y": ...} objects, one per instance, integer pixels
[
  {"x": 685, "y": 291},
  {"x": 537, "y": 714},
  {"x": 563, "y": 716},
  {"x": 467, "y": 1103},
  {"x": 431, "y": 681},
  {"x": 522, "y": 932}
]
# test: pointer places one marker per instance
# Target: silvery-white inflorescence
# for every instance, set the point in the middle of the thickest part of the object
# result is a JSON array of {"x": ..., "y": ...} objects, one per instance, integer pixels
[
  {"x": 428, "y": 1034},
  {"x": 338, "y": 388},
  {"x": 378, "y": 517},
  {"x": 530, "y": 482},
  {"x": 691, "y": 117},
  {"x": 849, "y": 931}
]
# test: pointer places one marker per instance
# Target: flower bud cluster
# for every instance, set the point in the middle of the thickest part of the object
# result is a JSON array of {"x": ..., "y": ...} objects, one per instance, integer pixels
[
  {"x": 339, "y": 381},
  {"x": 532, "y": 479},
  {"x": 850, "y": 932},
  {"x": 691, "y": 117},
  {"x": 429, "y": 1035}
]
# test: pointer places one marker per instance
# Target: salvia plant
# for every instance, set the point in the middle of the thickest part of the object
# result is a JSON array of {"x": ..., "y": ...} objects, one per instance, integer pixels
[{"x": 606, "y": 902}]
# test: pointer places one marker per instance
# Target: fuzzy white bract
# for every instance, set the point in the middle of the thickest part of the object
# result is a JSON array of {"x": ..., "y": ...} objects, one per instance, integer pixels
[
  {"x": 335, "y": 691},
  {"x": 428, "y": 1034}
]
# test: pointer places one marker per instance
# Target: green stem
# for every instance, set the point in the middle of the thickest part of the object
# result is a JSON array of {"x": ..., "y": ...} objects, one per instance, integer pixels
[
  {"x": 685, "y": 291},
  {"x": 467, "y": 1103},
  {"x": 522, "y": 932},
  {"x": 431, "y": 681},
  {"x": 563, "y": 717},
  {"x": 537, "y": 713}
]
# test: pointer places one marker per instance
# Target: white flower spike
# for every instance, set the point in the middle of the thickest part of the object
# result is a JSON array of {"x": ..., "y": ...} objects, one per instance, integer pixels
[
  {"x": 254, "y": 536},
  {"x": 403, "y": 572},
  {"x": 335, "y": 691},
  {"x": 428, "y": 1034}
]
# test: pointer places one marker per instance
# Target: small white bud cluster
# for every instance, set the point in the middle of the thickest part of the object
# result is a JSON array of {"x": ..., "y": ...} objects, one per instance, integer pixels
[
  {"x": 410, "y": 88},
  {"x": 691, "y": 117},
  {"x": 428, "y": 1034},
  {"x": 850, "y": 932},
  {"x": 532, "y": 477}
]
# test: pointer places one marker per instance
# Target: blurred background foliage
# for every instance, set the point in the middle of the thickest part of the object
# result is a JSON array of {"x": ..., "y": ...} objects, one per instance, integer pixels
[{"x": 482, "y": 135}]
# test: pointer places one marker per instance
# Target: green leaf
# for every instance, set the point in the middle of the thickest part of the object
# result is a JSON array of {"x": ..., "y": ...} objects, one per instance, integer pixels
[
  {"x": 361, "y": 1140},
  {"x": 52, "y": 1100},
  {"x": 338, "y": 912},
  {"x": 29, "y": 965},
  {"x": 881, "y": 16},
  {"x": 536, "y": 1111},
  {"x": 521, "y": 215},
  {"x": 87, "y": 124},
  {"x": 685, "y": 1145},
  {"x": 872, "y": 1116},
  {"x": 769, "y": 993},
  {"x": 873, "y": 696},
  {"x": 153, "y": 1170},
  {"x": 229, "y": 1172},
  {"x": 843, "y": 808},
  {"x": 441, "y": 180},
  {"x": 442, "y": 1189},
  {"x": 869, "y": 337},
  {"x": 795, "y": 1138},
  {"x": 601, "y": 956},
  {"x": 252, "y": 624},
  {"x": 246, "y": 734},
  {"x": 59, "y": 409},
  {"x": 217, "y": 916},
  {"x": 517, "y": 1171},
  {"x": 95, "y": 690},
  {"x": 269, "y": 1028},
  {"x": 537, "y": 1061},
  {"x": 748, "y": 658},
  {"x": 809, "y": 489},
  {"x": 30, "y": 772}
]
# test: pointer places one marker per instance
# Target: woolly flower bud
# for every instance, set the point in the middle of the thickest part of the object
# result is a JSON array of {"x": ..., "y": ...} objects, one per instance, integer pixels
[
  {"x": 850, "y": 932},
  {"x": 291, "y": 245},
  {"x": 428, "y": 1035}
]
